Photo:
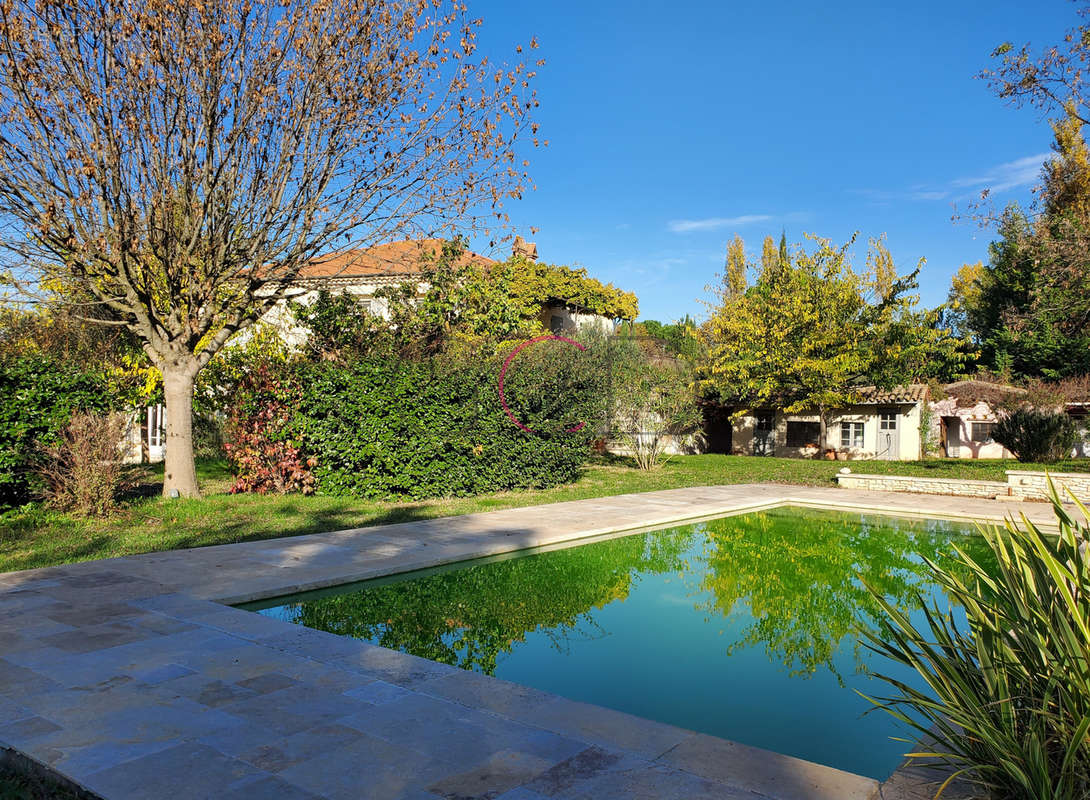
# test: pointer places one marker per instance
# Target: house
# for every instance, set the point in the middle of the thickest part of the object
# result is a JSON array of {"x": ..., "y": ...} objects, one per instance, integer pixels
[
  {"x": 888, "y": 425},
  {"x": 882, "y": 424},
  {"x": 963, "y": 420},
  {"x": 362, "y": 272}
]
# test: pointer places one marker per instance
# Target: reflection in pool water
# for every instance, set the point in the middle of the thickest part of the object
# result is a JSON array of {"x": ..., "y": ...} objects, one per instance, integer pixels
[{"x": 744, "y": 627}]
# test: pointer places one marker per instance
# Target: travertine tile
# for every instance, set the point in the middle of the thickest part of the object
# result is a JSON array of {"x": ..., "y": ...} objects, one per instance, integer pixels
[
  {"x": 765, "y": 772},
  {"x": 379, "y": 770},
  {"x": 187, "y": 770}
]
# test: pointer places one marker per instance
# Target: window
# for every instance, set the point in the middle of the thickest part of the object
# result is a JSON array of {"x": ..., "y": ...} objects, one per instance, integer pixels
[
  {"x": 851, "y": 434},
  {"x": 556, "y": 323},
  {"x": 764, "y": 422},
  {"x": 801, "y": 434},
  {"x": 887, "y": 421},
  {"x": 982, "y": 432}
]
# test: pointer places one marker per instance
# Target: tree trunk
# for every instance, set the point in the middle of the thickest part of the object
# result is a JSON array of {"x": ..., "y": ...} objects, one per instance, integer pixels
[
  {"x": 823, "y": 431},
  {"x": 180, "y": 472}
]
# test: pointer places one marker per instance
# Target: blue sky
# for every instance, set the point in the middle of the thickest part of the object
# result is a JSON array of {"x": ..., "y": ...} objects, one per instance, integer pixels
[{"x": 672, "y": 126}]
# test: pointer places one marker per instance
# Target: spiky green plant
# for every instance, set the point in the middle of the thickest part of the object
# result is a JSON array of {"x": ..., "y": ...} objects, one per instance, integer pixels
[{"x": 1007, "y": 703}]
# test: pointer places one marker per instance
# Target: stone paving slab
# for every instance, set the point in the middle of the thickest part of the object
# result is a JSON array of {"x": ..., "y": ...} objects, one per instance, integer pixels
[{"x": 131, "y": 678}]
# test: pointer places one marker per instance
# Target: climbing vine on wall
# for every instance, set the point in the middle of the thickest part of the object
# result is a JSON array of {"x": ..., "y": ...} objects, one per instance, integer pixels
[{"x": 535, "y": 284}]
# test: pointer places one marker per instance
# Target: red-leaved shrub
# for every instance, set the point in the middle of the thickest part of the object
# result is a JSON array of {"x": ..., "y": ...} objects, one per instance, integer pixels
[{"x": 266, "y": 457}]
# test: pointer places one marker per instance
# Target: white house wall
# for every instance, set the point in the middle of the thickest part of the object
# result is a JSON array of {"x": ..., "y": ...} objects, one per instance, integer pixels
[
  {"x": 1080, "y": 412},
  {"x": 144, "y": 435},
  {"x": 911, "y": 435},
  {"x": 295, "y": 335},
  {"x": 908, "y": 431},
  {"x": 560, "y": 317},
  {"x": 908, "y": 428},
  {"x": 960, "y": 420},
  {"x": 742, "y": 435}
]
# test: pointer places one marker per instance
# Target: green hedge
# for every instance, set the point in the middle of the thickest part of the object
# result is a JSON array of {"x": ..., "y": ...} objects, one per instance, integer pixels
[
  {"x": 435, "y": 428},
  {"x": 38, "y": 395}
]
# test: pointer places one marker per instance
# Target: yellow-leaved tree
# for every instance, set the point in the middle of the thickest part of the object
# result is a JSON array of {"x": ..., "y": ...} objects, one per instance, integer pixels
[
  {"x": 734, "y": 281},
  {"x": 810, "y": 331}
]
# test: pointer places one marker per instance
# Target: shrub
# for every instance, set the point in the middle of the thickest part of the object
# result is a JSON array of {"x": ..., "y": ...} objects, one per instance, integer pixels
[
  {"x": 1036, "y": 436},
  {"x": 553, "y": 387},
  {"x": 393, "y": 427},
  {"x": 39, "y": 397},
  {"x": 679, "y": 338},
  {"x": 338, "y": 325},
  {"x": 436, "y": 427},
  {"x": 653, "y": 402},
  {"x": 260, "y": 445},
  {"x": 1007, "y": 702},
  {"x": 82, "y": 470},
  {"x": 219, "y": 382}
]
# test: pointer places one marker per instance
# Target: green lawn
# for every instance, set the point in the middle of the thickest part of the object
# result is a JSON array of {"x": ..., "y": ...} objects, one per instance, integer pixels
[{"x": 36, "y": 537}]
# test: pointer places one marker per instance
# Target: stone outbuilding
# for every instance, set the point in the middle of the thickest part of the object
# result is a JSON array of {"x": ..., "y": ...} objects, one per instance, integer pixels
[{"x": 962, "y": 422}]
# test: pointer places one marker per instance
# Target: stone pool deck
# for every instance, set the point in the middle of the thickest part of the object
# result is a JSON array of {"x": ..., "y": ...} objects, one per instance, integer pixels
[{"x": 132, "y": 679}]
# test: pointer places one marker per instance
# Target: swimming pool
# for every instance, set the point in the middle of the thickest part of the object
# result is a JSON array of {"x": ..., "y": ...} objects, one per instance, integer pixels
[{"x": 745, "y": 627}]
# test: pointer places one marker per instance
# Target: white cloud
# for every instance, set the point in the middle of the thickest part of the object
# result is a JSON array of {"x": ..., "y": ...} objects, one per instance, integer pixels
[
  {"x": 924, "y": 194},
  {"x": 1022, "y": 172},
  {"x": 715, "y": 223},
  {"x": 885, "y": 196},
  {"x": 1000, "y": 178}
]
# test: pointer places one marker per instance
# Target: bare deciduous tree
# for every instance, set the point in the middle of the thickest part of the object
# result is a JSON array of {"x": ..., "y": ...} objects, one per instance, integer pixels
[
  {"x": 175, "y": 163},
  {"x": 1055, "y": 78}
]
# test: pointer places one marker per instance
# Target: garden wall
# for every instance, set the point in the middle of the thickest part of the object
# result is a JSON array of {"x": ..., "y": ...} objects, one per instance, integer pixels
[
  {"x": 1034, "y": 485},
  {"x": 905, "y": 483},
  {"x": 1023, "y": 484}
]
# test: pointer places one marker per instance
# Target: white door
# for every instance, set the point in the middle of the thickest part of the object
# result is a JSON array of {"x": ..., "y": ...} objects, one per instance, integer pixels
[
  {"x": 953, "y": 436},
  {"x": 889, "y": 438}
]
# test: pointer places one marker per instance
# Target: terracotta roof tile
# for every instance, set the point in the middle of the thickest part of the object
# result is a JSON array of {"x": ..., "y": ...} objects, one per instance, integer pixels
[
  {"x": 912, "y": 393},
  {"x": 392, "y": 258}
]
